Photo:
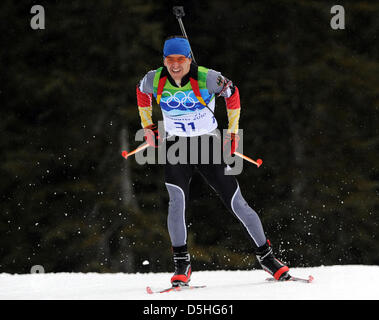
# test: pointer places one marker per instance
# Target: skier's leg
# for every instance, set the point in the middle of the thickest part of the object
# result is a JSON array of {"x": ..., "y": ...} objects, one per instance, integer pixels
[
  {"x": 226, "y": 186},
  {"x": 248, "y": 217},
  {"x": 177, "y": 180}
]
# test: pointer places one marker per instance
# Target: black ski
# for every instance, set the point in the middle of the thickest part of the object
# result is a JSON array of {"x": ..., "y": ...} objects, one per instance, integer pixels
[
  {"x": 308, "y": 280},
  {"x": 170, "y": 289}
]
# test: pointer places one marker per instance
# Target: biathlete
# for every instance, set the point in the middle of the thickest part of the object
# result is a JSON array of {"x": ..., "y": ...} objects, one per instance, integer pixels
[{"x": 186, "y": 95}]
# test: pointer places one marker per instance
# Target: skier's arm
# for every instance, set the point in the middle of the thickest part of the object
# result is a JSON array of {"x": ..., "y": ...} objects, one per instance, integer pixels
[
  {"x": 218, "y": 84},
  {"x": 144, "y": 99}
]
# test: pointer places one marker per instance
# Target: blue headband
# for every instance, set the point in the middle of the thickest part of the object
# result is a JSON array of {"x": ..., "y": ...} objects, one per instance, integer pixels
[{"x": 177, "y": 46}]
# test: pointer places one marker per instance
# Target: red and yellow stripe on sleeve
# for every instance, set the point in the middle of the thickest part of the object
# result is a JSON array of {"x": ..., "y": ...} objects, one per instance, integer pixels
[
  {"x": 233, "y": 108},
  {"x": 145, "y": 108}
]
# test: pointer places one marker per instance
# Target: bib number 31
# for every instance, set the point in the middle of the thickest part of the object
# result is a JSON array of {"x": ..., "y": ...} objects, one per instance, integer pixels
[{"x": 190, "y": 126}]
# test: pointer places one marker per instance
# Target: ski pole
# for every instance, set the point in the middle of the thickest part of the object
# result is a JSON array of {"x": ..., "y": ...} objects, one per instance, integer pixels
[
  {"x": 179, "y": 13},
  {"x": 126, "y": 154},
  {"x": 258, "y": 163}
]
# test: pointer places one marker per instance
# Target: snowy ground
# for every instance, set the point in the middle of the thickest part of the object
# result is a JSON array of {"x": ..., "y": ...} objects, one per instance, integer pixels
[{"x": 354, "y": 282}]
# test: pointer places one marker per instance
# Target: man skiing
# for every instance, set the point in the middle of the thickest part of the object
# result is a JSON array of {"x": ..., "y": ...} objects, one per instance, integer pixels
[{"x": 186, "y": 94}]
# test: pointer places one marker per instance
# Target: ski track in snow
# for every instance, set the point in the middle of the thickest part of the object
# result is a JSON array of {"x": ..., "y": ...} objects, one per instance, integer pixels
[{"x": 344, "y": 282}]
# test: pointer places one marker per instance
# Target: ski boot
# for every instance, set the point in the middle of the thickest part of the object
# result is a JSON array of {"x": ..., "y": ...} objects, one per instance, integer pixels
[
  {"x": 182, "y": 264},
  {"x": 270, "y": 264}
]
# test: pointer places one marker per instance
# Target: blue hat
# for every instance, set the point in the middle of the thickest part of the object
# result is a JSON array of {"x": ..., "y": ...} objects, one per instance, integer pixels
[{"x": 177, "y": 46}]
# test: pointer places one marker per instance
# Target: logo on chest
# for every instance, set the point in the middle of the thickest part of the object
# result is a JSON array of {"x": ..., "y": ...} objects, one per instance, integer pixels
[{"x": 182, "y": 100}]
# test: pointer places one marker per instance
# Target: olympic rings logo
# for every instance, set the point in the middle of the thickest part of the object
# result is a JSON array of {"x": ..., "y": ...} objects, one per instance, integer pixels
[{"x": 179, "y": 99}]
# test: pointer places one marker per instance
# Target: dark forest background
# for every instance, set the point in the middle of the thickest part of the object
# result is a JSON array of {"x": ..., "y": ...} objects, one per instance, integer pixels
[{"x": 309, "y": 95}]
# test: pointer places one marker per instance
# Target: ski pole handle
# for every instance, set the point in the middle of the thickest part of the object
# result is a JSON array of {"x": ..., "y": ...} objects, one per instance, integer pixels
[
  {"x": 178, "y": 12},
  {"x": 126, "y": 154},
  {"x": 258, "y": 163}
]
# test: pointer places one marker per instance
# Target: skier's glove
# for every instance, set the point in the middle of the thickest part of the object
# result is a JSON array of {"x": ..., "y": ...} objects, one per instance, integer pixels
[
  {"x": 152, "y": 135},
  {"x": 231, "y": 142}
]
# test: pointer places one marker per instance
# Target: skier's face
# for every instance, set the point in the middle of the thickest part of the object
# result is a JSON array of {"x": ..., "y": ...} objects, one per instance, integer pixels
[{"x": 177, "y": 65}]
